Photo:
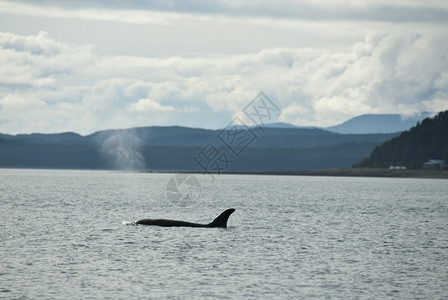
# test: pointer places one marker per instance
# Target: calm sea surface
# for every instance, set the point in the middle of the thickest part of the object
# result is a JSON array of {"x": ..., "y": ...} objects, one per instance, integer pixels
[{"x": 69, "y": 234}]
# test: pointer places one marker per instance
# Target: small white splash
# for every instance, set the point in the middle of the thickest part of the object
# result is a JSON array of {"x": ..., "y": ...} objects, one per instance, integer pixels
[{"x": 128, "y": 223}]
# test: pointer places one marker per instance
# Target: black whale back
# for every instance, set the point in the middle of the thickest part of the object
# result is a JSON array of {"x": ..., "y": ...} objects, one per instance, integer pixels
[{"x": 220, "y": 221}]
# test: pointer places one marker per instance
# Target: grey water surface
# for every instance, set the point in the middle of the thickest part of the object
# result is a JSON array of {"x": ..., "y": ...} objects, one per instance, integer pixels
[{"x": 69, "y": 234}]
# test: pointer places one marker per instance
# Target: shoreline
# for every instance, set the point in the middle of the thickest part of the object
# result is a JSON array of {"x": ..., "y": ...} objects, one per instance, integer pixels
[
  {"x": 346, "y": 172},
  {"x": 335, "y": 172},
  {"x": 370, "y": 172}
]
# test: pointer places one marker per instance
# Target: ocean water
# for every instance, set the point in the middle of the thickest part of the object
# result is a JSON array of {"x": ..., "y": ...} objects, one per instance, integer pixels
[{"x": 69, "y": 234}]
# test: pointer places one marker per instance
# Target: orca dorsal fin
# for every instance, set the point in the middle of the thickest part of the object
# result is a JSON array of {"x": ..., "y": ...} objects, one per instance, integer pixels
[{"x": 221, "y": 220}]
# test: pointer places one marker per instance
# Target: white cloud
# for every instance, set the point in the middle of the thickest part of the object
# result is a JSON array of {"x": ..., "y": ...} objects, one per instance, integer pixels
[
  {"x": 50, "y": 86},
  {"x": 38, "y": 60},
  {"x": 148, "y": 105},
  {"x": 13, "y": 104}
]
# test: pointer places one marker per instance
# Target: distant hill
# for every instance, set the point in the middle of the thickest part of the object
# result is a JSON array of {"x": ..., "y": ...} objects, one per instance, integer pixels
[
  {"x": 377, "y": 123},
  {"x": 427, "y": 140},
  {"x": 174, "y": 148}
]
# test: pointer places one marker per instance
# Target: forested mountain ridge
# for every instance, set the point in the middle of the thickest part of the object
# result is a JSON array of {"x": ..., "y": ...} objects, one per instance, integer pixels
[
  {"x": 174, "y": 149},
  {"x": 427, "y": 140},
  {"x": 196, "y": 137}
]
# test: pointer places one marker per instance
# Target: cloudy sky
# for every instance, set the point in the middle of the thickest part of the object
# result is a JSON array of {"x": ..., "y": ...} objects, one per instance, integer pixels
[{"x": 88, "y": 65}]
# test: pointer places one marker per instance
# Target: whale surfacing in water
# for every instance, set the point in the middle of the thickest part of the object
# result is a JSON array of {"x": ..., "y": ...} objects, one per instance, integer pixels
[{"x": 219, "y": 222}]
